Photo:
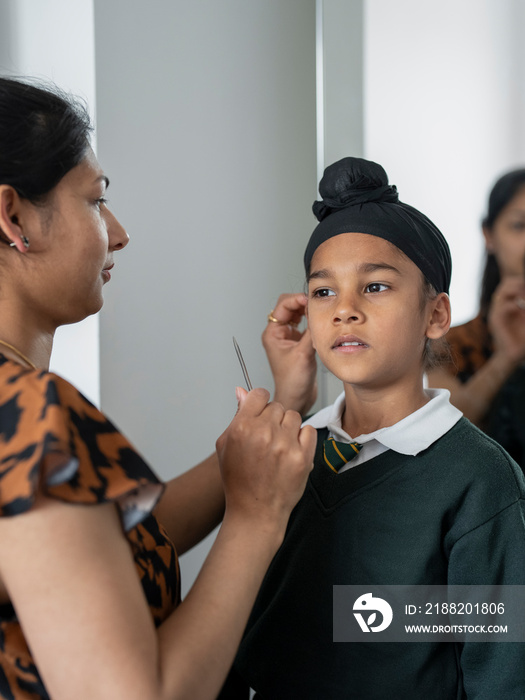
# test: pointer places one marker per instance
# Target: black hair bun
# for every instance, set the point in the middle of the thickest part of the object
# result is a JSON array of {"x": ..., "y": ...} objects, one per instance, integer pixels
[{"x": 352, "y": 181}]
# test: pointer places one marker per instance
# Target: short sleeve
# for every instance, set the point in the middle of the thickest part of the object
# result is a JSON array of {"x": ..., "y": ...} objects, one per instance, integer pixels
[
  {"x": 55, "y": 440},
  {"x": 470, "y": 347}
]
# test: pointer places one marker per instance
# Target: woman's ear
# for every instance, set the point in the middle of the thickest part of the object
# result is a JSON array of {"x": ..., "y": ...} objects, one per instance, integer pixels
[
  {"x": 489, "y": 244},
  {"x": 440, "y": 317},
  {"x": 10, "y": 227}
]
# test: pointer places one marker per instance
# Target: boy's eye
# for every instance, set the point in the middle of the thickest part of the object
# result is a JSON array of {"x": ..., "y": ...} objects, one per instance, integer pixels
[
  {"x": 323, "y": 293},
  {"x": 375, "y": 287}
]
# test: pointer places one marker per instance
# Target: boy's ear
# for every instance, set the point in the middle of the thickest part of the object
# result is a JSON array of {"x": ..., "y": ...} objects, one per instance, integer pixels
[
  {"x": 10, "y": 210},
  {"x": 440, "y": 317}
]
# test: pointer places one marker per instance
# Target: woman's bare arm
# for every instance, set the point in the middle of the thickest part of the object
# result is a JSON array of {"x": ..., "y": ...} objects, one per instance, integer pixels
[
  {"x": 70, "y": 574},
  {"x": 192, "y": 504}
]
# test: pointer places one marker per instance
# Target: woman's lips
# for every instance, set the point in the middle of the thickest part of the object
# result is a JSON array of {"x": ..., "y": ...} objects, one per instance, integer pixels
[{"x": 106, "y": 274}]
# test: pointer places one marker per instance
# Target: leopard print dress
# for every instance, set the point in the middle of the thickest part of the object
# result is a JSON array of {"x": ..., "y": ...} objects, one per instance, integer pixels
[
  {"x": 53, "y": 440},
  {"x": 471, "y": 346}
]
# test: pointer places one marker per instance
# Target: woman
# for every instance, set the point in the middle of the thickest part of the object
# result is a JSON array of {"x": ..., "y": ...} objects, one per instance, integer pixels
[
  {"x": 485, "y": 373},
  {"x": 89, "y": 602}
]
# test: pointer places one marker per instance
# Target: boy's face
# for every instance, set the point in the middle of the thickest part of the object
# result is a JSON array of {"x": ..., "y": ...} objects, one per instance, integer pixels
[{"x": 365, "y": 311}]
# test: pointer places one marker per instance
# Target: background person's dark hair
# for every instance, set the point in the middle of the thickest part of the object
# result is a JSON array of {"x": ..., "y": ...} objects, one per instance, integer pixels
[
  {"x": 44, "y": 133},
  {"x": 501, "y": 194}
]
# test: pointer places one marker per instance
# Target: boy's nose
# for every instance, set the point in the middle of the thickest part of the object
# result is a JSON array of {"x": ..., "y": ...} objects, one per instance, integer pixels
[{"x": 347, "y": 311}]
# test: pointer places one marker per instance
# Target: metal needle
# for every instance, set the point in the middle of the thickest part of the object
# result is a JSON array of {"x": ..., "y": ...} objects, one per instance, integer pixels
[{"x": 243, "y": 366}]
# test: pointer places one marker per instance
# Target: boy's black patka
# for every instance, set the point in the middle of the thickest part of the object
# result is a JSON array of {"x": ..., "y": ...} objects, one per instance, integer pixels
[{"x": 357, "y": 197}]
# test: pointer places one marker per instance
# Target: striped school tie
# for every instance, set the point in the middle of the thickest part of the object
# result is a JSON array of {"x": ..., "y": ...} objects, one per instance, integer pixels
[{"x": 337, "y": 454}]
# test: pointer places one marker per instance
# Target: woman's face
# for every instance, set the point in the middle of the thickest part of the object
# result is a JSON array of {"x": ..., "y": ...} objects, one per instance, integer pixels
[
  {"x": 73, "y": 245},
  {"x": 506, "y": 239}
]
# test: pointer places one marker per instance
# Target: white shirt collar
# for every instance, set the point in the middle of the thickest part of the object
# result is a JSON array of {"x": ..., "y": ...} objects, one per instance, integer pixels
[{"x": 408, "y": 436}]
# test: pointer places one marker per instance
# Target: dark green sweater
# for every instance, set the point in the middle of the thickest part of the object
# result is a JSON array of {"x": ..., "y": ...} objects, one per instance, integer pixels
[{"x": 452, "y": 514}]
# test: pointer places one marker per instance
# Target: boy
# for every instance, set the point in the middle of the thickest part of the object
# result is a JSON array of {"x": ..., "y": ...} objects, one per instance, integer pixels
[{"x": 419, "y": 497}]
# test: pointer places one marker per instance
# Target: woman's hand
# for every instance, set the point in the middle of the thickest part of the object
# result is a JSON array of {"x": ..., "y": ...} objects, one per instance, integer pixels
[
  {"x": 265, "y": 458},
  {"x": 291, "y": 355},
  {"x": 506, "y": 319}
]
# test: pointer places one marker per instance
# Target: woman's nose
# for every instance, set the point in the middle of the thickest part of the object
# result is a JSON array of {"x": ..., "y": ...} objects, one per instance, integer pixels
[{"x": 118, "y": 237}]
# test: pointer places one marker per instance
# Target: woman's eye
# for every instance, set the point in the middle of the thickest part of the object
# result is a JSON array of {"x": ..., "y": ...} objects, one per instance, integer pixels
[
  {"x": 375, "y": 287},
  {"x": 320, "y": 293},
  {"x": 101, "y": 201}
]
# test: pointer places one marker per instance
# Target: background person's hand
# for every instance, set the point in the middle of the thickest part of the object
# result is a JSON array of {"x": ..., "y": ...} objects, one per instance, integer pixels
[
  {"x": 506, "y": 319},
  {"x": 291, "y": 355}
]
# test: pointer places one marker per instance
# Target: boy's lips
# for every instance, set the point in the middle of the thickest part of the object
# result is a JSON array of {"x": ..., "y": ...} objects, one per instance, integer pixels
[{"x": 348, "y": 343}]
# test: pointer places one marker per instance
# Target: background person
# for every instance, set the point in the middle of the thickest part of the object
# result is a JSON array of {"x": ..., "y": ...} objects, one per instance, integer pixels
[{"x": 485, "y": 373}]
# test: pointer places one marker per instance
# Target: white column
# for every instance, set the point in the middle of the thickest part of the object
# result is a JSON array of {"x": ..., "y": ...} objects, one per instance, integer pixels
[{"x": 340, "y": 106}]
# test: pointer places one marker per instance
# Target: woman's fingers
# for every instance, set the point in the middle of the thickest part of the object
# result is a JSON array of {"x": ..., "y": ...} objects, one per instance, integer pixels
[
  {"x": 291, "y": 355},
  {"x": 265, "y": 459},
  {"x": 290, "y": 308},
  {"x": 254, "y": 402},
  {"x": 308, "y": 439},
  {"x": 507, "y": 319},
  {"x": 240, "y": 395}
]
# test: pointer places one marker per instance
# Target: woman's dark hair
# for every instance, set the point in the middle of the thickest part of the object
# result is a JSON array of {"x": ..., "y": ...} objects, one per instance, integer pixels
[
  {"x": 501, "y": 194},
  {"x": 44, "y": 133}
]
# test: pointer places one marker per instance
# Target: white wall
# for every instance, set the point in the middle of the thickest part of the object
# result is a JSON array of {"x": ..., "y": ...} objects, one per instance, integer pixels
[
  {"x": 444, "y": 91},
  {"x": 206, "y": 116},
  {"x": 52, "y": 40}
]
